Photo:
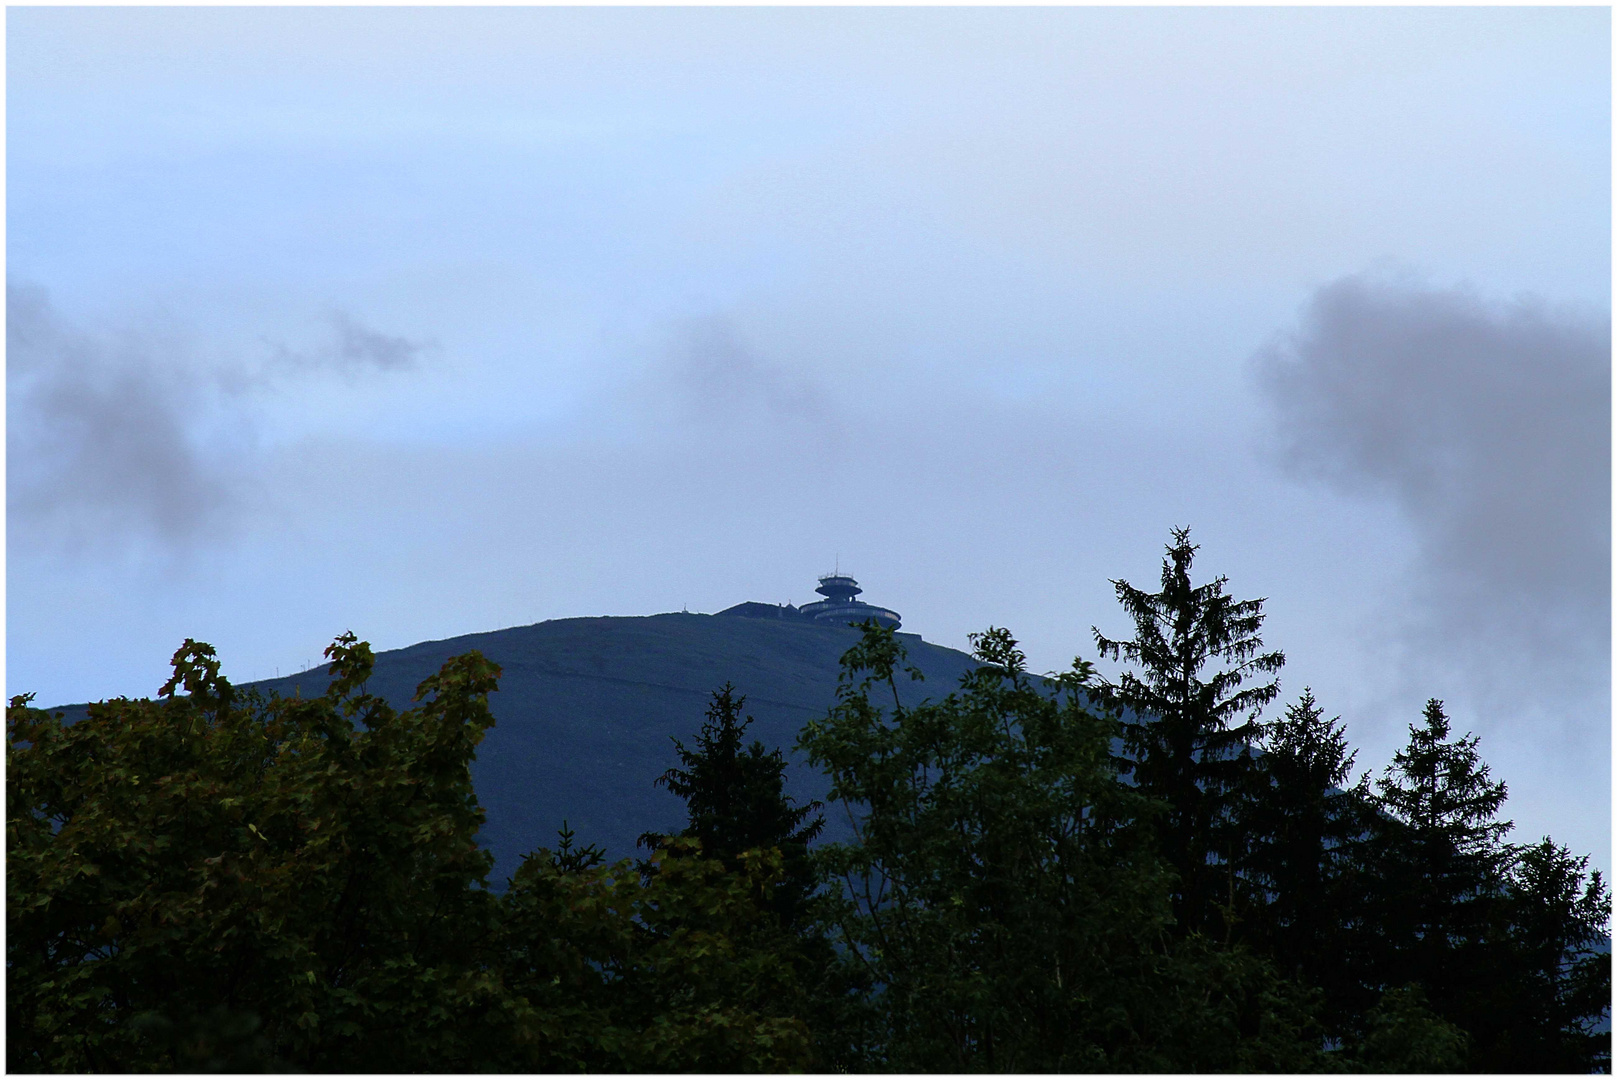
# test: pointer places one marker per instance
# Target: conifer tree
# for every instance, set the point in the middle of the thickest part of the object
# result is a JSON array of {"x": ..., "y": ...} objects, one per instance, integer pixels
[
  {"x": 1303, "y": 821},
  {"x": 1192, "y": 720},
  {"x": 1439, "y": 861},
  {"x": 735, "y": 800},
  {"x": 737, "y": 810},
  {"x": 1559, "y": 984}
]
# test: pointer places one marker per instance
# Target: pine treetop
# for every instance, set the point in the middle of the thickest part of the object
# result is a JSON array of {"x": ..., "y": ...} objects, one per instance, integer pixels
[
  {"x": 1178, "y": 632},
  {"x": 1443, "y": 788}
]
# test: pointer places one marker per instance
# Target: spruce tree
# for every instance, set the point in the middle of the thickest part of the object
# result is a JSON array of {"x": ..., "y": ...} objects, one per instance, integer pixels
[
  {"x": 735, "y": 801},
  {"x": 1439, "y": 862},
  {"x": 1191, "y": 720},
  {"x": 736, "y": 808},
  {"x": 1559, "y": 972},
  {"x": 1302, "y": 821}
]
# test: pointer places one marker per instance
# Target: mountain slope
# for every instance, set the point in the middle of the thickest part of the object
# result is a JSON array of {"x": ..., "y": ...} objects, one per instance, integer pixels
[{"x": 587, "y": 710}]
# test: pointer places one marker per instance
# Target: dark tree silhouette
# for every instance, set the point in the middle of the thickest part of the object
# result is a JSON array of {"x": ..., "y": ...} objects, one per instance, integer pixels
[
  {"x": 1302, "y": 820},
  {"x": 1190, "y": 721},
  {"x": 1437, "y": 865},
  {"x": 1560, "y": 973},
  {"x": 735, "y": 801}
]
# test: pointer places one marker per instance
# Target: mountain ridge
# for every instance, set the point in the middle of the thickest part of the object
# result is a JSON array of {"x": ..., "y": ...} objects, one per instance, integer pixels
[{"x": 588, "y": 708}]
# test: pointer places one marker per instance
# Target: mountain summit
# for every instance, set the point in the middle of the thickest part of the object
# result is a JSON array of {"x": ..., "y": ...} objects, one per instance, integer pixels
[
  {"x": 839, "y": 608},
  {"x": 588, "y": 709}
]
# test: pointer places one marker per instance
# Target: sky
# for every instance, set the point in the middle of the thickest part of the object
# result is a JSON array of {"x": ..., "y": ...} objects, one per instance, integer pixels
[{"x": 427, "y": 321}]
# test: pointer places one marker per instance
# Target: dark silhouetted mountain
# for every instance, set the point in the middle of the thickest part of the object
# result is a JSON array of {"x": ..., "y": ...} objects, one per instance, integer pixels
[{"x": 587, "y": 711}]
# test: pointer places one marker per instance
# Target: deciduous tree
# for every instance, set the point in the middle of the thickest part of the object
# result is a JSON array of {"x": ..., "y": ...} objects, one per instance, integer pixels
[
  {"x": 217, "y": 876},
  {"x": 218, "y": 880},
  {"x": 1004, "y": 892}
]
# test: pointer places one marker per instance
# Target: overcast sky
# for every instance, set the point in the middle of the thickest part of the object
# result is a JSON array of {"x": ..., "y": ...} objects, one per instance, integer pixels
[{"x": 419, "y": 322}]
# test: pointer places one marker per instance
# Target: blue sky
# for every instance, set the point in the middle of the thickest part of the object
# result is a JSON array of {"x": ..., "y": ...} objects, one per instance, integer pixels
[{"x": 422, "y": 322}]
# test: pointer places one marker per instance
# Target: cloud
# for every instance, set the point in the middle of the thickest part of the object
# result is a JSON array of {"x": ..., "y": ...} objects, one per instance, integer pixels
[
  {"x": 114, "y": 437},
  {"x": 716, "y": 379},
  {"x": 360, "y": 346},
  {"x": 100, "y": 438},
  {"x": 350, "y": 349},
  {"x": 1487, "y": 424}
]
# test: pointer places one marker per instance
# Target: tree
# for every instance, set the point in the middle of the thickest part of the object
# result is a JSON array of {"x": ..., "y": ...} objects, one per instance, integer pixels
[
  {"x": 1439, "y": 863},
  {"x": 1002, "y": 888},
  {"x": 1403, "y": 1035},
  {"x": 679, "y": 969},
  {"x": 1302, "y": 821},
  {"x": 1189, "y": 735},
  {"x": 736, "y": 809},
  {"x": 220, "y": 878},
  {"x": 735, "y": 801},
  {"x": 1558, "y": 987}
]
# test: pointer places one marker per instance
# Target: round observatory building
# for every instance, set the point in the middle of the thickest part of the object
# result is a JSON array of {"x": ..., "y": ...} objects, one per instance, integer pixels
[{"x": 839, "y": 608}]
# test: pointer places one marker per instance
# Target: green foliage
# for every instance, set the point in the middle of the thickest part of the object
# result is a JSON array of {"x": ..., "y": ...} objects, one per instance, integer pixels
[
  {"x": 218, "y": 880},
  {"x": 222, "y": 881},
  {"x": 1190, "y": 733},
  {"x": 1003, "y": 891},
  {"x": 210, "y": 861},
  {"x": 680, "y": 969},
  {"x": 1404, "y": 1036},
  {"x": 736, "y": 804}
]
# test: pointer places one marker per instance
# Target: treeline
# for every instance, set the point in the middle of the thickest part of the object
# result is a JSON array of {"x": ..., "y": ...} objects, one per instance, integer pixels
[{"x": 1046, "y": 873}]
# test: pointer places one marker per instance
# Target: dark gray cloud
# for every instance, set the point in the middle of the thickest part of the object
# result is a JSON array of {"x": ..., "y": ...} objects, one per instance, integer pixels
[
  {"x": 113, "y": 436},
  {"x": 1488, "y": 425},
  {"x": 100, "y": 435}
]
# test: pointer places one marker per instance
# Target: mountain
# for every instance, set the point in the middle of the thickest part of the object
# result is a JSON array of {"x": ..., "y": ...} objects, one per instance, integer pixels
[{"x": 587, "y": 711}]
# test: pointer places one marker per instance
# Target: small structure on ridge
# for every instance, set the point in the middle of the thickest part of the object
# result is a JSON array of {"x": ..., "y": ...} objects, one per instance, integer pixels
[{"x": 839, "y": 608}]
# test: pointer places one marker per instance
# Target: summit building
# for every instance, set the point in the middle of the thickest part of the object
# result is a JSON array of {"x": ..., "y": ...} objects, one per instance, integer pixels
[{"x": 839, "y": 608}]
